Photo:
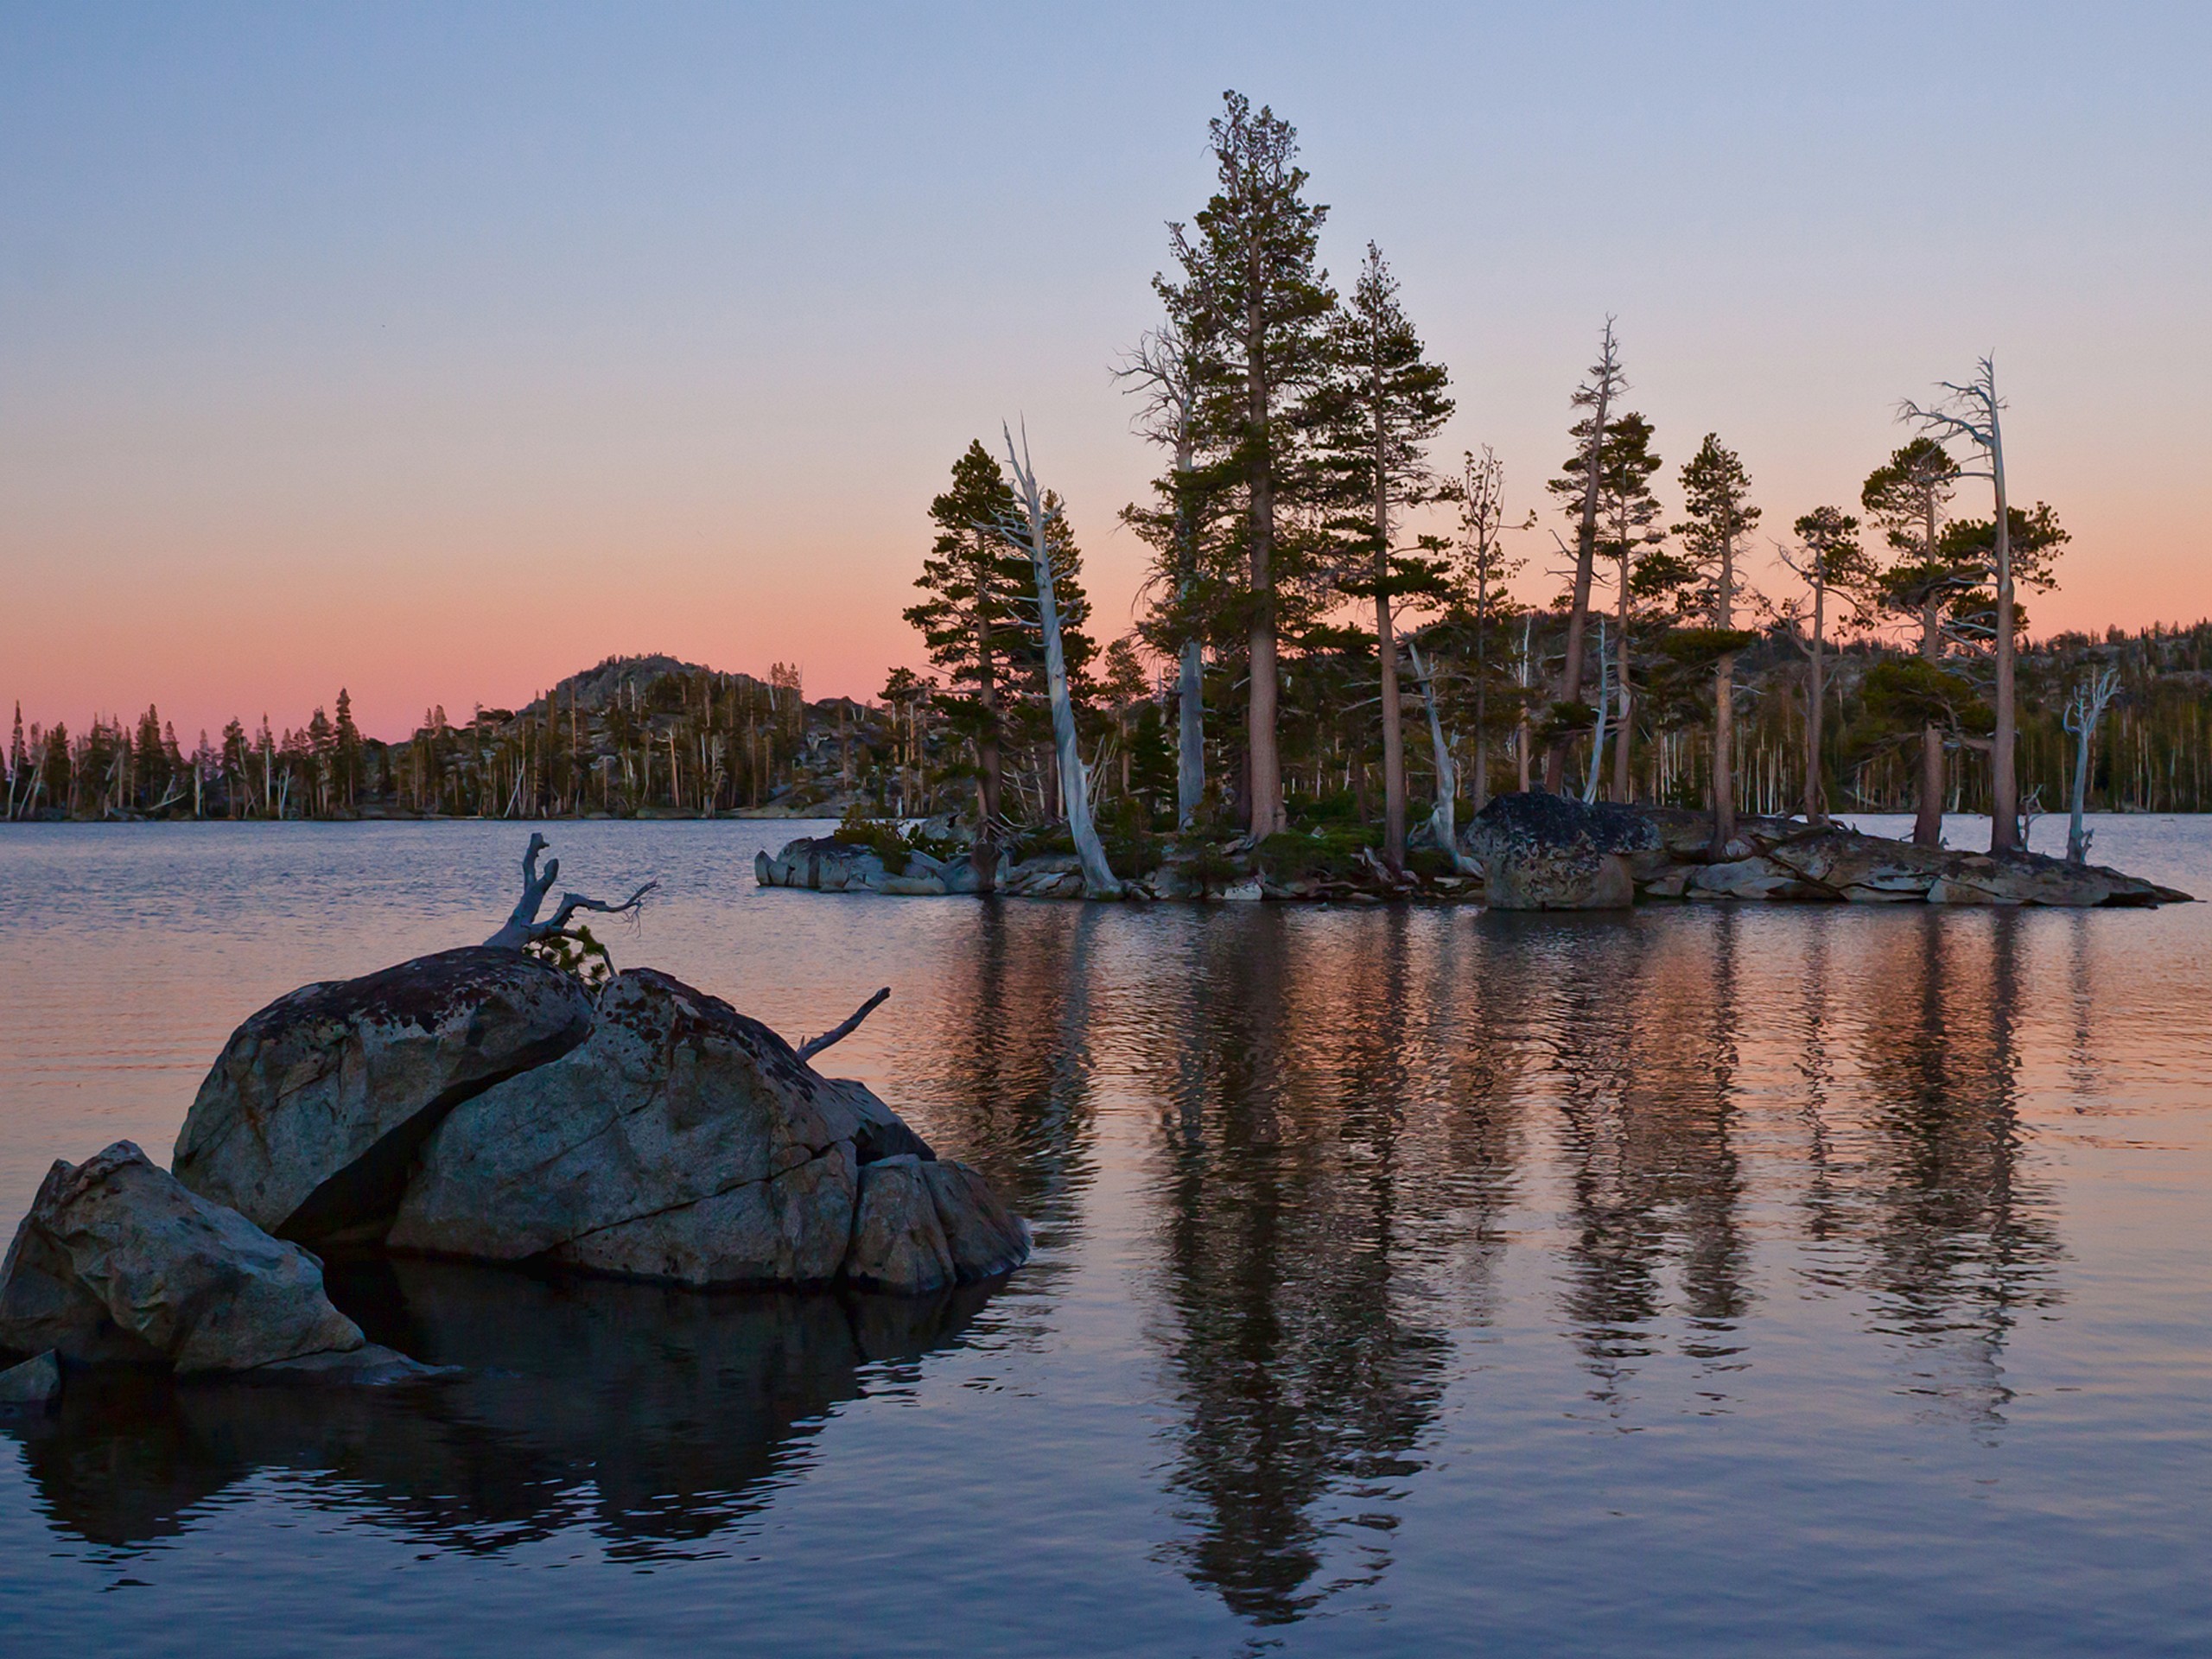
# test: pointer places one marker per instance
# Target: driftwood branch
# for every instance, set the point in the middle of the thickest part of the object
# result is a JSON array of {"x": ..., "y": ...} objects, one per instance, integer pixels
[
  {"x": 814, "y": 1045},
  {"x": 523, "y": 926}
]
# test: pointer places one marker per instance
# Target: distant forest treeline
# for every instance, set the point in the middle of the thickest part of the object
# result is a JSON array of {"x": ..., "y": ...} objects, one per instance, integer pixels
[{"x": 653, "y": 735}]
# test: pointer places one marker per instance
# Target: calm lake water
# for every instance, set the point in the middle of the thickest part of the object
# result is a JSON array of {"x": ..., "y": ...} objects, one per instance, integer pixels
[{"x": 1714, "y": 1280}]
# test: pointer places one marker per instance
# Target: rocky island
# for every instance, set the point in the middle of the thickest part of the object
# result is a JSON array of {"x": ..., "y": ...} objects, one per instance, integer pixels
[
  {"x": 1524, "y": 851},
  {"x": 487, "y": 1104}
]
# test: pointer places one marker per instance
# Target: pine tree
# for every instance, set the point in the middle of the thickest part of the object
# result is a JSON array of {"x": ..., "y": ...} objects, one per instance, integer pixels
[
  {"x": 1906, "y": 497},
  {"x": 1255, "y": 259},
  {"x": 1828, "y": 559},
  {"x": 1383, "y": 404},
  {"x": 18, "y": 767},
  {"x": 1624, "y": 531},
  {"x": 1717, "y": 519},
  {"x": 1175, "y": 368},
  {"x": 1599, "y": 394},
  {"x": 348, "y": 752},
  {"x": 972, "y": 624}
]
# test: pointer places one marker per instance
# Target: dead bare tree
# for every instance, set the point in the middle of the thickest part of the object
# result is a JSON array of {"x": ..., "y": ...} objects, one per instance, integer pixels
[
  {"x": 523, "y": 928},
  {"x": 1971, "y": 411},
  {"x": 1030, "y": 534},
  {"x": 2085, "y": 710}
]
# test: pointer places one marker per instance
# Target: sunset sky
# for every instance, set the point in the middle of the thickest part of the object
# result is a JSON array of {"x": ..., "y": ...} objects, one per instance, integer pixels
[{"x": 439, "y": 352}]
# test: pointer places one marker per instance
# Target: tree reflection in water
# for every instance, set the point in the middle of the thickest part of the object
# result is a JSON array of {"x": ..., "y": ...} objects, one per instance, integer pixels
[
  {"x": 1958, "y": 1239},
  {"x": 1336, "y": 1127},
  {"x": 1323, "y": 1129},
  {"x": 1346, "y": 1113}
]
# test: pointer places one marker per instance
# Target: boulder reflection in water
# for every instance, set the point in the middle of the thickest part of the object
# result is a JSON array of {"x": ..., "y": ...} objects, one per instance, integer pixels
[{"x": 655, "y": 1417}]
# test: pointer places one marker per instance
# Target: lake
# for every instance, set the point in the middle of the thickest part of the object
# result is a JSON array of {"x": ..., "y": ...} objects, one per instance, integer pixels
[{"x": 1711, "y": 1279}]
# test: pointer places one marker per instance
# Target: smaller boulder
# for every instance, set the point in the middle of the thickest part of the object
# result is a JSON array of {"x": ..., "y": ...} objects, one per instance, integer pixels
[
  {"x": 1749, "y": 878},
  {"x": 984, "y": 1238},
  {"x": 36, "y": 1381},
  {"x": 898, "y": 1245},
  {"x": 822, "y": 864},
  {"x": 922, "y": 1227},
  {"x": 116, "y": 1262}
]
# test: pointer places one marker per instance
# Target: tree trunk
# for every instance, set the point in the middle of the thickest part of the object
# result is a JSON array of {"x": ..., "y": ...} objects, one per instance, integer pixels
[
  {"x": 2004, "y": 780},
  {"x": 1724, "y": 754},
  {"x": 1443, "y": 816},
  {"x": 1596, "y": 766},
  {"x": 1815, "y": 704},
  {"x": 1585, "y": 550},
  {"x": 1482, "y": 704},
  {"x": 1386, "y": 659},
  {"x": 1265, "y": 783},
  {"x": 1191, "y": 735},
  {"x": 1190, "y": 709},
  {"x": 1724, "y": 710},
  {"x": 984, "y": 853},
  {"x": 1623, "y": 777},
  {"x": 1524, "y": 735},
  {"x": 2077, "y": 845},
  {"x": 1928, "y": 817},
  {"x": 1074, "y": 777}
]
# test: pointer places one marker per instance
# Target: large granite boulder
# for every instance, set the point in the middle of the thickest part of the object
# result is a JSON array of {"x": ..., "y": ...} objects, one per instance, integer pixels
[
  {"x": 311, "y": 1118},
  {"x": 683, "y": 1142},
  {"x": 118, "y": 1263},
  {"x": 1550, "y": 852}
]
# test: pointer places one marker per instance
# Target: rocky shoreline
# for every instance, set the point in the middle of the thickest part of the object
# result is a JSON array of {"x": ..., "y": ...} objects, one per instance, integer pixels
[{"x": 1529, "y": 851}]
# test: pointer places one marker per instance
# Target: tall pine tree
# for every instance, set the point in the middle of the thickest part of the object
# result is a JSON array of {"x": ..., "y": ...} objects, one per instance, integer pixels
[
  {"x": 972, "y": 623},
  {"x": 1256, "y": 258},
  {"x": 1718, "y": 520},
  {"x": 1383, "y": 405}
]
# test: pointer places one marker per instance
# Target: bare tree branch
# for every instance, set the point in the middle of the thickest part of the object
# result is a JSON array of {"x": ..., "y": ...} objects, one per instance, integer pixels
[
  {"x": 814, "y": 1045},
  {"x": 523, "y": 926}
]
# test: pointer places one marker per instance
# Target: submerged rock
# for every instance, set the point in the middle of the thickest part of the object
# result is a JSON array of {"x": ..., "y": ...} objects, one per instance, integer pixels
[
  {"x": 310, "y": 1120},
  {"x": 1548, "y": 852},
  {"x": 116, "y": 1262},
  {"x": 683, "y": 1142}
]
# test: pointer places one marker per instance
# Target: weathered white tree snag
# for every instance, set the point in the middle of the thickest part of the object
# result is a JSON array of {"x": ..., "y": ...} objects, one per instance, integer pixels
[
  {"x": 1030, "y": 534},
  {"x": 837, "y": 1034},
  {"x": 523, "y": 927},
  {"x": 2085, "y": 710},
  {"x": 1443, "y": 816},
  {"x": 1597, "y": 732},
  {"x": 1971, "y": 412}
]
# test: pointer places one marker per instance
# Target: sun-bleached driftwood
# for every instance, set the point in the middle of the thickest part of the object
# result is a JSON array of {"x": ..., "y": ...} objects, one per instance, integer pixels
[
  {"x": 814, "y": 1045},
  {"x": 523, "y": 928}
]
